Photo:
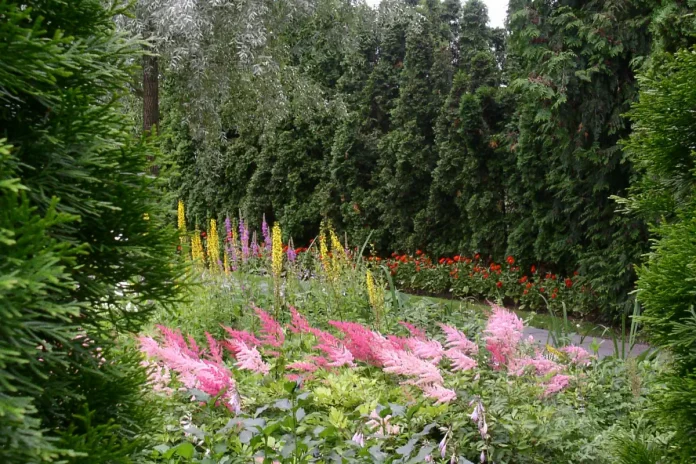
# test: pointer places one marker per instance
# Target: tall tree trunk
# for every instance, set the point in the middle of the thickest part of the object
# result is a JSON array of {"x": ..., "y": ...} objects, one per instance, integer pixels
[{"x": 151, "y": 99}]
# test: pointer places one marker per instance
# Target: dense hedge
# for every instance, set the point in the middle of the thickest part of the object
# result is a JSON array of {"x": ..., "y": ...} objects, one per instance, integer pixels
[{"x": 422, "y": 127}]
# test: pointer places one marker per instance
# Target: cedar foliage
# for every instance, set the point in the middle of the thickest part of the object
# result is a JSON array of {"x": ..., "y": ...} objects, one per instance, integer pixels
[
  {"x": 421, "y": 126},
  {"x": 84, "y": 250}
]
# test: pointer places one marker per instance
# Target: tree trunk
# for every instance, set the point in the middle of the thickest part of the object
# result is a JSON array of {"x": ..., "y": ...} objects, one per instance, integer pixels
[{"x": 151, "y": 99}]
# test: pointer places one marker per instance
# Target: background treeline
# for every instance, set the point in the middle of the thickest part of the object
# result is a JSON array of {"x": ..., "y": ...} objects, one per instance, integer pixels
[{"x": 420, "y": 124}]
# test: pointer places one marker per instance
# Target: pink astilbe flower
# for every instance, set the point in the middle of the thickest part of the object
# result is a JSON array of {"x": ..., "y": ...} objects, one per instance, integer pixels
[
  {"x": 427, "y": 349},
  {"x": 248, "y": 338},
  {"x": 210, "y": 377},
  {"x": 460, "y": 361},
  {"x": 539, "y": 366},
  {"x": 401, "y": 362},
  {"x": 302, "y": 366},
  {"x": 174, "y": 338},
  {"x": 340, "y": 356},
  {"x": 250, "y": 359},
  {"x": 271, "y": 331},
  {"x": 298, "y": 324},
  {"x": 413, "y": 330},
  {"x": 557, "y": 383},
  {"x": 159, "y": 377},
  {"x": 439, "y": 393},
  {"x": 578, "y": 355},
  {"x": 364, "y": 344},
  {"x": 214, "y": 349},
  {"x": 399, "y": 343},
  {"x": 457, "y": 340},
  {"x": 503, "y": 333}
]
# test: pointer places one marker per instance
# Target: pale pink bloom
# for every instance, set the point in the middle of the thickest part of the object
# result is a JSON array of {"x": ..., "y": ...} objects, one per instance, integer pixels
[
  {"x": 407, "y": 364},
  {"x": 439, "y": 393},
  {"x": 210, "y": 377},
  {"x": 271, "y": 331},
  {"x": 578, "y": 355},
  {"x": 427, "y": 349},
  {"x": 539, "y": 366},
  {"x": 359, "y": 438},
  {"x": 457, "y": 339},
  {"x": 557, "y": 383},
  {"x": 428, "y": 458},
  {"x": 479, "y": 417},
  {"x": 502, "y": 334},
  {"x": 483, "y": 457},
  {"x": 381, "y": 426},
  {"x": 443, "y": 447},
  {"x": 460, "y": 361},
  {"x": 413, "y": 330},
  {"x": 340, "y": 356},
  {"x": 159, "y": 377},
  {"x": 249, "y": 358},
  {"x": 302, "y": 366}
]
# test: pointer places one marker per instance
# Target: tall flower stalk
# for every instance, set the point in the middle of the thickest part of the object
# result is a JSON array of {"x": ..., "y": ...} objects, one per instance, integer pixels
[
  {"x": 376, "y": 296},
  {"x": 197, "y": 253},
  {"x": 277, "y": 263},
  {"x": 213, "y": 247}
]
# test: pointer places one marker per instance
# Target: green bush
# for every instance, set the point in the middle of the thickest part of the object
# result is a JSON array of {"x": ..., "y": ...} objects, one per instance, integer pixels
[
  {"x": 84, "y": 251},
  {"x": 662, "y": 146}
]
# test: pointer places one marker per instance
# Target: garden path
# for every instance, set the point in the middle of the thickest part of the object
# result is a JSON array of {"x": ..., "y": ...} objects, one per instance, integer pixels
[{"x": 606, "y": 347}]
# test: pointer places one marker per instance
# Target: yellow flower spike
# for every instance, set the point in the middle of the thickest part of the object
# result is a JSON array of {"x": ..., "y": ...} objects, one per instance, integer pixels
[
  {"x": 213, "y": 246},
  {"x": 181, "y": 218},
  {"x": 226, "y": 264},
  {"x": 277, "y": 251},
  {"x": 375, "y": 295},
  {"x": 324, "y": 251},
  {"x": 197, "y": 254}
]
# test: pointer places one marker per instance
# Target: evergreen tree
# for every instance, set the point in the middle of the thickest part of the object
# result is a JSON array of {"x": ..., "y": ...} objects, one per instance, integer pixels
[
  {"x": 83, "y": 240},
  {"x": 576, "y": 80}
]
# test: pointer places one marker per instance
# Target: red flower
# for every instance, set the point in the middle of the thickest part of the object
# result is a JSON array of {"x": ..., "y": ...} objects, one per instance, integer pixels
[
  {"x": 541, "y": 289},
  {"x": 523, "y": 279},
  {"x": 477, "y": 256},
  {"x": 499, "y": 284},
  {"x": 576, "y": 273},
  {"x": 178, "y": 248},
  {"x": 485, "y": 275},
  {"x": 548, "y": 275},
  {"x": 533, "y": 269},
  {"x": 553, "y": 276},
  {"x": 553, "y": 297},
  {"x": 510, "y": 260},
  {"x": 441, "y": 261},
  {"x": 449, "y": 261},
  {"x": 419, "y": 252},
  {"x": 456, "y": 259},
  {"x": 529, "y": 285},
  {"x": 203, "y": 234},
  {"x": 568, "y": 283},
  {"x": 525, "y": 292}
]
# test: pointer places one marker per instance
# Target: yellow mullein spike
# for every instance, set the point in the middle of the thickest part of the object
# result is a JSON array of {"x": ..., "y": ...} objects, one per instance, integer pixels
[
  {"x": 226, "y": 263},
  {"x": 276, "y": 251},
  {"x": 213, "y": 246}
]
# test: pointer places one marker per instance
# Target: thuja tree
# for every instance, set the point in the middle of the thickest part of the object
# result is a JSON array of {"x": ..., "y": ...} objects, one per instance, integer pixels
[
  {"x": 466, "y": 207},
  {"x": 662, "y": 147},
  {"x": 576, "y": 80},
  {"x": 83, "y": 244}
]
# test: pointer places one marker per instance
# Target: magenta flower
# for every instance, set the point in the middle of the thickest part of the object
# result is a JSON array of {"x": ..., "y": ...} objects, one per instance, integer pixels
[{"x": 271, "y": 331}]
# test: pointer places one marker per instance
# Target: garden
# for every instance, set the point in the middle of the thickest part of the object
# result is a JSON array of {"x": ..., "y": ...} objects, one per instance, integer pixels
[{"x": 336, "y": 231}]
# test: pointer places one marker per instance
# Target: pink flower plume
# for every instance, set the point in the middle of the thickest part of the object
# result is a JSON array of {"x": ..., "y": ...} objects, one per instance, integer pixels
[
  {"x": 271, "y": 331},
  {"x": 457, "y": 340},
  {"x": 503, "y": 333},
  {"x": 460, "y": 361},
  {"x": 250, "y": 359}
]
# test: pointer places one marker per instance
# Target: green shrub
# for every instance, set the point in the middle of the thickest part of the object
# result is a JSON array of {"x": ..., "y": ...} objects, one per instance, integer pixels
[{"x": 84, "y": 251}]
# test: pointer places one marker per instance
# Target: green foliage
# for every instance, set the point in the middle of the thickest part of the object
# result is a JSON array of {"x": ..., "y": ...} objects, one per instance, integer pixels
[
  {"x": 662, "y": 146},
  {"x": 85, "y": 250}
]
